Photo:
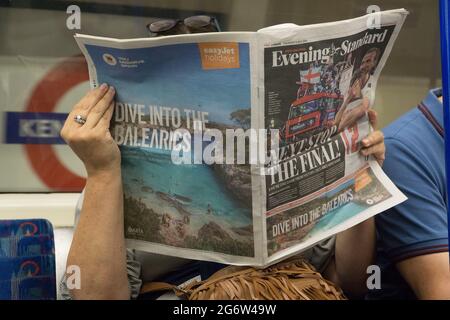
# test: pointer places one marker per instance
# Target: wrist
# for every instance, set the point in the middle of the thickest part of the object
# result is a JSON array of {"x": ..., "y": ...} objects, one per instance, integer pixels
[{"x": 106, "y": 174}]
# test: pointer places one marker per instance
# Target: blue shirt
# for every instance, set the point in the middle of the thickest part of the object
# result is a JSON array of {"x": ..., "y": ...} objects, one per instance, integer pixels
[{"x": 415, "y": 163}]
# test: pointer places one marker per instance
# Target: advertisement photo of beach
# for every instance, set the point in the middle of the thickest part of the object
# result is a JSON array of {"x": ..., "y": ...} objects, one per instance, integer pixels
[{"x": 196, "y": 206}]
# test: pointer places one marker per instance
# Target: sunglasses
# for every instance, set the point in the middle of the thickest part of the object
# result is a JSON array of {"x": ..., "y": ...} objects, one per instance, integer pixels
[{"x": 194, "y": 24}]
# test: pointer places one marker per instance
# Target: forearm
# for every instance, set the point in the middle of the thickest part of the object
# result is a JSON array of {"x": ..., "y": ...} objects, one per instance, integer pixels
[
  {"x": 436, "y": 290},
  {"x": 428, "y": 275},
  {"x": 354, "y": 252},
  {"x": 98, "y": 246},
  {"x": 341, "y": 111}
]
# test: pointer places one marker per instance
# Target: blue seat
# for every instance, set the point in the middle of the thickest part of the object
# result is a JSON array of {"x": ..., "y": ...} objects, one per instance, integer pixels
[{"x": 27, "y": 260}]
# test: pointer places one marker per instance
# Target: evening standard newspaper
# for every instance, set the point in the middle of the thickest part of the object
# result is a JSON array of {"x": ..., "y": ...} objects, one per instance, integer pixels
[{"x": 187, "y": 105}]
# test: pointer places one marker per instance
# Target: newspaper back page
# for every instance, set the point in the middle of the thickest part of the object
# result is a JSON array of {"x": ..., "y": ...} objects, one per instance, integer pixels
[{"x": 180, "y": 92}]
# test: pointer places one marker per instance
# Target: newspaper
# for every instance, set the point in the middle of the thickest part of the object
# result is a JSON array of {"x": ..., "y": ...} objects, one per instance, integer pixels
[{"x": 187, "y": 105}]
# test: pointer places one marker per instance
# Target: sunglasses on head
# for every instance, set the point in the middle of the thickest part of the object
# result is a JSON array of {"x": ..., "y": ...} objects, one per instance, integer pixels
[{"x": 194, "y": 24}]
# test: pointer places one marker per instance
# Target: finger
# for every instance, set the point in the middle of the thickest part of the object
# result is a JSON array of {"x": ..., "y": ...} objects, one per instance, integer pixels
[
  {"x": 70, "y": 124},
  {"x": 373, "y": 118},
  {"x": 376, "y": 137},
  {"x": 377, "y": 151},
  {"x": 105, "y": 121},
  {"x": 84, "y": 105},
  {"x": 96, "y": 113},
  {"x": 90, "y": 100}
]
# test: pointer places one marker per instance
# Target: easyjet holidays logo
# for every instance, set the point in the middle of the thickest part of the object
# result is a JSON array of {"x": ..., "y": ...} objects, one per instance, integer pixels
[{"x": 219, "y": 55}]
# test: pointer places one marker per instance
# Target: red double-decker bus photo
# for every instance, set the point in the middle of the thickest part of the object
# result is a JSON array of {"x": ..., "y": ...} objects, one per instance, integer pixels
[{"x": 310, "y": 112}]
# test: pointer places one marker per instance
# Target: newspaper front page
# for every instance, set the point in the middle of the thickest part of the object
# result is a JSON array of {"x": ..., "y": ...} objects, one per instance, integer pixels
[
  {"x": 306, "y": 88},
  {"x": 319, "y": 83}
]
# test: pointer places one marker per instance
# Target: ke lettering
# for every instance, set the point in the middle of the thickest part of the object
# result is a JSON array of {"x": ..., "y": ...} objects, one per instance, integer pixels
[{"x": 39, "y": 128}]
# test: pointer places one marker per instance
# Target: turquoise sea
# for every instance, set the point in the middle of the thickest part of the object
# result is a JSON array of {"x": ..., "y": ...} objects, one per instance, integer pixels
[
  {"x": 337, "y": 216},
  {"x": 195, "y": 186}
]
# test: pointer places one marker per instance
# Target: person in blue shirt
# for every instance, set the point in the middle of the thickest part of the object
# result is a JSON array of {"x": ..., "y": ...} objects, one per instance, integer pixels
[{"x": 412, "y": 238}]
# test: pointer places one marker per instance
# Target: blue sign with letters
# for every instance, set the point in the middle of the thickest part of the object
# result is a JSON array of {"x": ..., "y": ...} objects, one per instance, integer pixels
[{"x": 34, "y": 127}]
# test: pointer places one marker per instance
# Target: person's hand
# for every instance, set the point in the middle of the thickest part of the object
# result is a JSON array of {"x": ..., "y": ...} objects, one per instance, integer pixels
[
  {"x": 373, "y": 144},
  {"x": 350, "y": 117},
  {"x": 92, "y": 141}
]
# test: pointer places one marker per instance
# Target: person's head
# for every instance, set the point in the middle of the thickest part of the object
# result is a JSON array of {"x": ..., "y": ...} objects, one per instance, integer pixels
[
  {"x": 194, "y": 24},
  {"x": 370, "y": 60}
]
